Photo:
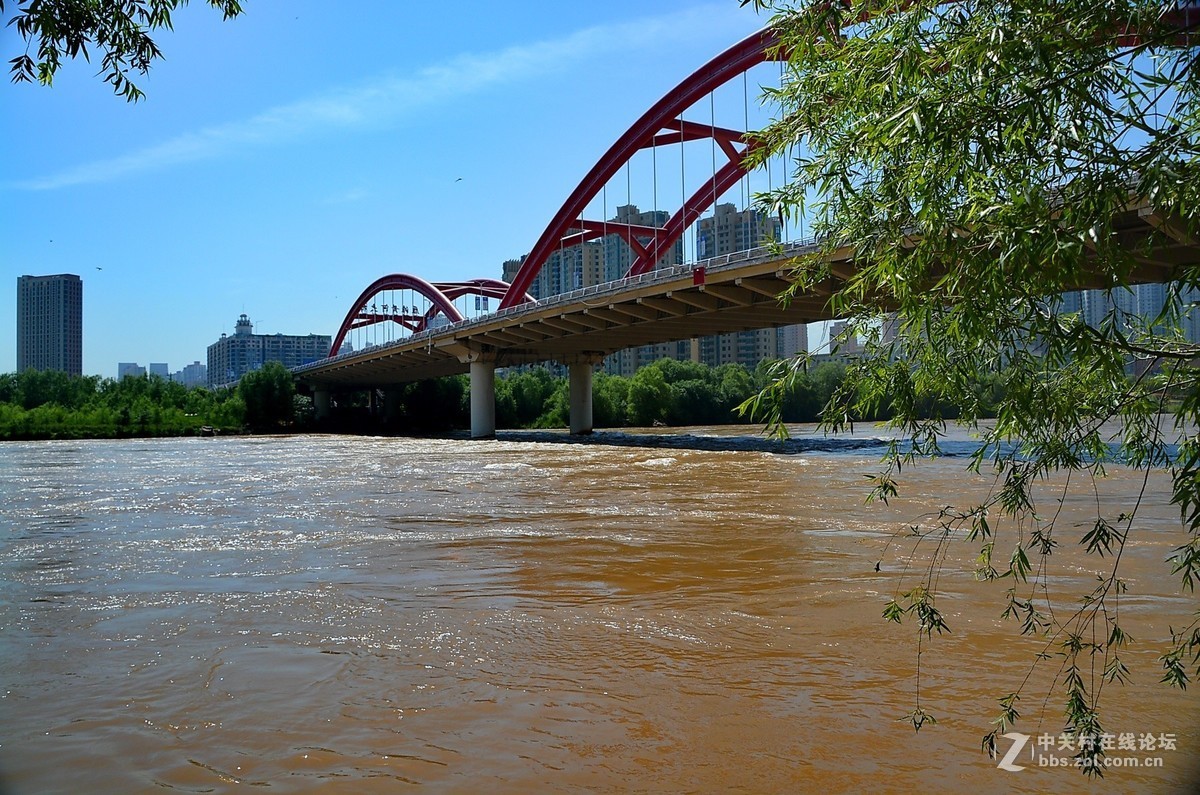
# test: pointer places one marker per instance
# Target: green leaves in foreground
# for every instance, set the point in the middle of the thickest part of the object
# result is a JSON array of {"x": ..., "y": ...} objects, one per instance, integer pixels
[
  {"x": 981, "y": 164},
  {"x": 918, "y": 602},
  {"x": 118, "y": 29}
]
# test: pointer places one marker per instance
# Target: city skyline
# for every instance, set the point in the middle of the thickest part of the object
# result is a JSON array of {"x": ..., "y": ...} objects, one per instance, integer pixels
[{"x": 279, "y": 164}]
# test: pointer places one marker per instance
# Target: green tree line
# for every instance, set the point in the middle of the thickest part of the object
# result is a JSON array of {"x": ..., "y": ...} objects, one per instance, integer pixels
[
  {"x": 40, "y": 405},
  {"x": 667, "y": 392},
  {"x": 50, "y": 405}
]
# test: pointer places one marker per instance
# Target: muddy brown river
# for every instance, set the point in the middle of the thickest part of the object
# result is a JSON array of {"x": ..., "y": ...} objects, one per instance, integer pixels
[{"x": 693, "y": 612}]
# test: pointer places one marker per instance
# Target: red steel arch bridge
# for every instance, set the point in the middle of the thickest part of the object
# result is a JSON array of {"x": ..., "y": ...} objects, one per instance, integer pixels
[{"x": 646, "y": 289}]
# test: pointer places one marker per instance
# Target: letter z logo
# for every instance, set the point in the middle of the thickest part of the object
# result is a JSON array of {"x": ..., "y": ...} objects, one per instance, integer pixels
[{"x": 1019, "y": 741}]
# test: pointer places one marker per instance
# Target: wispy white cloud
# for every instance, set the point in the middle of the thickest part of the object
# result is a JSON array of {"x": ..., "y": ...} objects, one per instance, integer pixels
[
  {"x": 346, "y": 197},
  {"x": 388, "y": 98}
]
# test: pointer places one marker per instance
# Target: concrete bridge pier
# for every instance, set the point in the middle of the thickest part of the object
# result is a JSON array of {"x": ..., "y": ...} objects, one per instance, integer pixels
[
  {"x": 579, "y": 382},
  {"x": 483, "y": 399},
  {"x": 580, "y": 386},
  {"x": 391, "y": 405},
  {"x": 483, "y": 385},
  {"x": 322, "y": 403}
]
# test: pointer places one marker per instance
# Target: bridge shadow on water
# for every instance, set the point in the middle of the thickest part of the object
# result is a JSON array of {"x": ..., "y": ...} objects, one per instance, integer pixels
[
  {"x": 747, "y": 442},
  {"x": 955, "y": 445}
]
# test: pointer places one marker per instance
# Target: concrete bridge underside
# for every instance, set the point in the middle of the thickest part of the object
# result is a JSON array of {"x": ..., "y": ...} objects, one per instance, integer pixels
[{"x": 737, "y": 292}]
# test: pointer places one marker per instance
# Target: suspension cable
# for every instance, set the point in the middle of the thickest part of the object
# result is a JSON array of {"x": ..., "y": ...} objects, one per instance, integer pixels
[
  {"x": 712, "y": 146},
  {"x": 745, "y": 180}
]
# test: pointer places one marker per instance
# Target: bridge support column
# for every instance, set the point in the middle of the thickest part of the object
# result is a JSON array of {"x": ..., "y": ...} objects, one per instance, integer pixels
[
  {"x": 580, "y": 384},
  {"x": 579, "y": 371},
  {"x": 391, "y": 405},
  {"x": 322, "y": 404},
  {"x": 483, "y": 399}
]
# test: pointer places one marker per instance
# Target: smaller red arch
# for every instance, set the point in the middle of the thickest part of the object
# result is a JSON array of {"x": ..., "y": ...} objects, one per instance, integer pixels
[
  {"x": 440, "y": 294},
  {"x": 394, "y": 281},
  {"x": 492, "y": 288}
]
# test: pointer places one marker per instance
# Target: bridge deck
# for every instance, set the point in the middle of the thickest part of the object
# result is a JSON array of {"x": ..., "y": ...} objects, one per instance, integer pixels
[{"x": 737, "y": 292}]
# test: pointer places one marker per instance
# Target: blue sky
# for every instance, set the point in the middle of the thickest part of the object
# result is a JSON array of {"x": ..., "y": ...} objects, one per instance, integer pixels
[{"x": 285, "y": 159}]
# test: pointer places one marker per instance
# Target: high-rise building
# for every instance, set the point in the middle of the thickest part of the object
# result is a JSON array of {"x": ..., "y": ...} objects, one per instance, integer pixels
[
  {"x": 565, "y": 270},
  {"x": 511, "y": 267},
  {"x": 598, "y": 261},
  {"x": 130, "y": 370},
  {"x": 229, "y": 358},
  {"x": 728, "y": 231},
  {"x": 617, "y": 257},
  {"x": 1145, "y": 301},
  {"x": 841, "y": 339},
  {"x": 194, "y": 374},
  {"x": 50, "y": 323},
  {"x": 1191, "y": 317},
  {"x": 160, "y": 369}
]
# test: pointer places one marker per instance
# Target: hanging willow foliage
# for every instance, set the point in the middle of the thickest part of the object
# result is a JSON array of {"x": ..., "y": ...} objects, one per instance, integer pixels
[{"x": 979, "y": 160}]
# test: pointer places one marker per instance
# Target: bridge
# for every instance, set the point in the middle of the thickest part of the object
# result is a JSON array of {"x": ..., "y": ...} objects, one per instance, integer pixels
[
  {"x": 734, "y": 292},
  {"x": 659, "y": 298}
]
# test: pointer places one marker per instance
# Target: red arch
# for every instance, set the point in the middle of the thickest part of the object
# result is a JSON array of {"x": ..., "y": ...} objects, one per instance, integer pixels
[
  {"x": 662, "y": 125},
  {"x": 440, "y": 294},
  {"x": 725, "y": 178},
  {"x": 659, "y": 125}
]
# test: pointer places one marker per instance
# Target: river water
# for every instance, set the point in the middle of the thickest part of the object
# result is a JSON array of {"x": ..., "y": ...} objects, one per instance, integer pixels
[{"x": 686, "y": 613}]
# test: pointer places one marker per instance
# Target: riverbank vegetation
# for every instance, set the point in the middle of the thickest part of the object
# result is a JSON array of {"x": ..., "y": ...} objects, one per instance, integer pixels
[
  {"x": 53, "y": 405},
  {"x": 664, "y": 393},
  {"x": 44, "y": 405}
]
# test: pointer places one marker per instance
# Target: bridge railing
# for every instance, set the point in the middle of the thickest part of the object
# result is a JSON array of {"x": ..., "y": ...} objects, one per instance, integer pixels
[{"x": 711, "y": 264}]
